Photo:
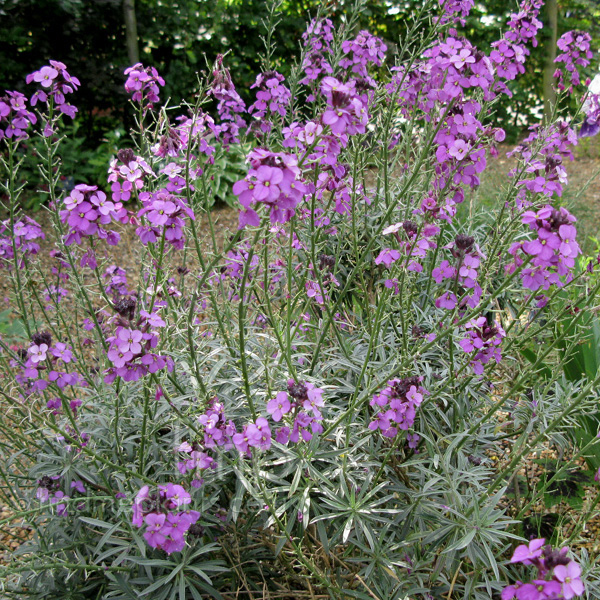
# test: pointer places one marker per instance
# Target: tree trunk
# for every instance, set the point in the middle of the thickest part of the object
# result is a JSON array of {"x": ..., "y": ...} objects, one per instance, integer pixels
[
  {"x": 549, "y": 66},
  {"x": 131, "y": 31}
]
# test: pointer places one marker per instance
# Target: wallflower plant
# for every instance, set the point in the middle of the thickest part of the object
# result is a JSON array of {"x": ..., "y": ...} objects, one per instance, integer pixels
[{"x": 312, "y": 403}]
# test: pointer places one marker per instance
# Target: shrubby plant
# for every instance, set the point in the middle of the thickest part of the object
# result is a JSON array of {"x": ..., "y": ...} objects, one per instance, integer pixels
[{"x": 310, "y": 405}]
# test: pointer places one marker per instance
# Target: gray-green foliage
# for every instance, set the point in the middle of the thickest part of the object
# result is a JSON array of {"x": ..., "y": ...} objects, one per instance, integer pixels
[{"x": 349, "y": 513}]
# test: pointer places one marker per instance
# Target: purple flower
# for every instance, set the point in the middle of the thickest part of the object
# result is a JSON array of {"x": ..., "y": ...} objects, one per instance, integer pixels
[
  {"x": 526, "y": 553},
  {"x": 153, "y": 319},
  {"x": 45, "y": 76},
  {"x": 241, "y": 441},
  {"x": 38, "y": 352},
  {"x": 128, "y": 341},
  {"x": 510, "y": 591},
  {"x": 447, "y": 300},
  {"x": 314, "y": 400},
  {"x": 175, "y": 495},
  {"x": 56, "y": 84},
  {"x": 142, "y": 82},
  {"x": 265, "y": 188},
  {"x": 154, "y": 525},
  {"x": 569, "y": 577},
  {"x": 283, "y": 435},
  {"x": 259, "y": 434},
  {"x": 62, "y": 351},
  {"x": 400, "y": 399},
  {"x": 78, "y": 485},
  {"x": 444, "y": 271},
  {"x": 544, "y": 590},
  {"x": 568, "y": 245},
  {"x": 14, "y": 116},
  {"x": 119, "y": 358},
  {"x": 272, "y": 96},
  {"x": 387, "y": 256},
  {"x": 279, "y": 406}
]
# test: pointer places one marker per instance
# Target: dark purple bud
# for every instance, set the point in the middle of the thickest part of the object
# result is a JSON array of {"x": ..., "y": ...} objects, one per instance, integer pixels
[
  {"x": 410, "y": 227},
  {"x": 339, "y": 99},
  {"x": 298, "y": 391},
  {"x": 416, "y": 331},
  {"x": 464, "y": 242},
  {"x": 126, "y": 155},
  {"x": 326, "y": 262},
  {"x": 125, "y": 307},
  {"x": 401, "y": 387},
  {"x": 42, "y": 337},
  {"x": 196, "y": 530}
]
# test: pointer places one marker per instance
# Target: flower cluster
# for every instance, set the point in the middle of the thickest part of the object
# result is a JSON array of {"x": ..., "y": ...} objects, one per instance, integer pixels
[
  {"x": 441, "y": 79},
  {"x": 364, "y": 50},
  {"x": 546, "y": 166},
  {"x": 230, "y": 104},
  {"x": 576, "y": 53},
  {"x": 126, "y": 174},
  {"x": 415, "y": 247},
  {"x": 116, "y": 282},
  {"x": 216, "y": 430},
  {"x": 195, "y": 461},
  {"x": 467, "y": 260},
  {"x": 43, "y": 364},
  {"x": 455, "y": 11},
  {"x": 56, "y": 84},
  {"x": 299, "y": 408},
  {"x": 397, "y": 404},
  {"x": 438, "y": 86},
  {"x": 272, "y": 96},
  {"x": 142, "y": 82},
  {"x": 552, "y": 254},
  {"x": 23, "y": 234},
  {"x": 14, "y": 116},
  {"x": 48, "y": 490},
  {"x": 165, "y": 214},
  {"x": 301, "y": 413},
  {"x": 483, "y": 340},
  {"x": 130, "y": 349},
  {"x": 273, "y": 180},
  {"x": 345, "y": 113},
  {"x": 86, "y": 209},
  {"x": 558, "y": 576},
  {"x": 512, "y": 50},
  {"x": 191, "y": 132},
  {"x": 165, "y": 526},
  {"x": 317, "y": 40}
]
